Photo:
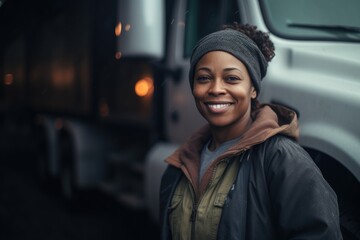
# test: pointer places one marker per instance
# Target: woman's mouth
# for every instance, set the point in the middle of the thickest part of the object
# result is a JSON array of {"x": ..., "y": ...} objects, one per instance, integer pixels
[{"x": 218, "y": 107}]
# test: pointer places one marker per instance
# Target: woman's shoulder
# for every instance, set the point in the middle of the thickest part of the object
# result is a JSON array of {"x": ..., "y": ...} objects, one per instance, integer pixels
[
  {"x": 281, "y": 151},
  {"x": 282, "y": 144}
]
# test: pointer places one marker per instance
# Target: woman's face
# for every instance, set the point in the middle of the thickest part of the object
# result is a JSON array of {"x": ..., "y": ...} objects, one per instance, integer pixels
[{"x": 223, "y": 90}]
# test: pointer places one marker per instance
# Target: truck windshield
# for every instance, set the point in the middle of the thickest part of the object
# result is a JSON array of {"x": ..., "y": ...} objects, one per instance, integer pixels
[{"x": 309, "y": 19}]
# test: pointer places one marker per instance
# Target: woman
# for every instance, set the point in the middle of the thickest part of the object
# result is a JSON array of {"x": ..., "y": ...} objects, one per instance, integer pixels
[{"x": 242, "y": 176}]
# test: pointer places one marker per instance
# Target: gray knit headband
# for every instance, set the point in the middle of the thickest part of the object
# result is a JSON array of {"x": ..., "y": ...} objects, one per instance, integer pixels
[{"x": 237, "y": 44}]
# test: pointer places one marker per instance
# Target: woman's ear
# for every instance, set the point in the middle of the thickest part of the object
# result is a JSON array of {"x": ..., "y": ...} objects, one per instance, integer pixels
[{"x": 253, "y": 93}]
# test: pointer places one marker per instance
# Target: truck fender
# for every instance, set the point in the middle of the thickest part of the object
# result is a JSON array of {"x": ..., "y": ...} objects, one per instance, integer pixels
[
  {"x": 338, "y": 143},
  {"x": 155, "y": 167},
  {"x": 51, "y": 135},
  {"x": 89, "y": 153}
]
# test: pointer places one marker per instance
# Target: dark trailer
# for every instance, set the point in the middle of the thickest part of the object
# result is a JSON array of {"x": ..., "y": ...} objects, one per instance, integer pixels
[{"x": 66, "y": 79}]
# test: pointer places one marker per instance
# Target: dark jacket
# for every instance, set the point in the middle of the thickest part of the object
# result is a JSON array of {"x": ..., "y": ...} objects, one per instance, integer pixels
[{"x": 279, "y": 193}]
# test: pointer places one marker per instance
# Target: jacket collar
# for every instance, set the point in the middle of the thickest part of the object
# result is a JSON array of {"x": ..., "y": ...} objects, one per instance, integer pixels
[{"x": 268, "y": 120}]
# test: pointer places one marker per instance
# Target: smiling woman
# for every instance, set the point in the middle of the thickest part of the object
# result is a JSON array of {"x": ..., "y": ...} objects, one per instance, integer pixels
[
  {"x": 243, "y": 175},
  {"x": 223, "y": 94}
]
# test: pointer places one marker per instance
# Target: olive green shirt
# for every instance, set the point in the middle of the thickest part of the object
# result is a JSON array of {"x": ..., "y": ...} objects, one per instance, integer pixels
[{"x": 198, "y": 219}]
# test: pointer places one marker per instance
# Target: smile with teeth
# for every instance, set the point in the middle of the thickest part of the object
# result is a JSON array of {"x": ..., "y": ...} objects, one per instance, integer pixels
[{"x": 218, "y": 106}]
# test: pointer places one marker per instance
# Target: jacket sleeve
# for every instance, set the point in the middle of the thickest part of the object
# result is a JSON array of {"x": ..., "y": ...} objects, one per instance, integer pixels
[{"x": 304, "y": 204}]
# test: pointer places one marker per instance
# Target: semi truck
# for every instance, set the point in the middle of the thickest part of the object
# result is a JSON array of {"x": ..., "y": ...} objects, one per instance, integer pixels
[{"x": 103, "y": 86}]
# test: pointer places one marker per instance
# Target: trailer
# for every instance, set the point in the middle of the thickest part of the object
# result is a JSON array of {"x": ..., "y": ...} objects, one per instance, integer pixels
[{"x": 68, "y": 76}]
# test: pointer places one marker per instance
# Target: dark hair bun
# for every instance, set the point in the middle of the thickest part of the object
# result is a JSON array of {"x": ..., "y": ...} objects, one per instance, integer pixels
[{"x": 261, "y": 39}]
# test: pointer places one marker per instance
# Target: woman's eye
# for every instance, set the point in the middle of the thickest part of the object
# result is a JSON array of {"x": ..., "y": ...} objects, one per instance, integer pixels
[
  {"x": 232, "y": 78},
  {"x": 202, "y": 78}
]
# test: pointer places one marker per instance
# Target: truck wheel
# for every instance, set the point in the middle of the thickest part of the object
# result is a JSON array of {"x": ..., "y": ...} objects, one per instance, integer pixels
[
  {"x": 349, "y": 220},
  {"x": 68, "y": 174},
  {"x": 42, "y": 161},
  {"x": 42, "y": 170},
  {"x": 67, "y": 183},
  {"x": 347, "y": 188}
]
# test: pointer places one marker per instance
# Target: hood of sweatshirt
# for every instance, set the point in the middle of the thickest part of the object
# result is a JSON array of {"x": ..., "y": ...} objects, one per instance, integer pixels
[{"x": 268, "y": 120}]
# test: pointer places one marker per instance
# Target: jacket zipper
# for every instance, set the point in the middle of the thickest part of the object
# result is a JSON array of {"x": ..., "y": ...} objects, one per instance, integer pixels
[
  {"x": 193, "y": 213},
  {"x": 196, "y": 203}
]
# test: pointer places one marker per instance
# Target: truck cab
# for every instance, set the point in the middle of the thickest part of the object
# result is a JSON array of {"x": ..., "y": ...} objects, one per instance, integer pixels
[{"x": 315, "y": 72}]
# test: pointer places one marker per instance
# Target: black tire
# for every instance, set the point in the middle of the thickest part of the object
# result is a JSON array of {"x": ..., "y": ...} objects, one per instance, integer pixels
[
  {"x": 42, "y": 170},
  {"x": 42, "y": 161},
  {"x": 349, "y": 220},
  {"x": 347, "y": 188},
  {"x": 68, "y": 188}
]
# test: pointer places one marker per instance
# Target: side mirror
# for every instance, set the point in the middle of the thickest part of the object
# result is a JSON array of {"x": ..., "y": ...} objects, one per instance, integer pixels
[{"x": 140, "y": 28}]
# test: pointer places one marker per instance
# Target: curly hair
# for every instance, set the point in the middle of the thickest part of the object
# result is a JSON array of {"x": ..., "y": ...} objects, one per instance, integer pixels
[{"x": 261, "y": 39}]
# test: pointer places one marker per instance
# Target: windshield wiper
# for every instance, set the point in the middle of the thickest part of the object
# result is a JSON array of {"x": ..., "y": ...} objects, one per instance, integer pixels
[{"x": 341, "y": 28}]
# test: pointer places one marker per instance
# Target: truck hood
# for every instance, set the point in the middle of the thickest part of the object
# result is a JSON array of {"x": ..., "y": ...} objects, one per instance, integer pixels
[{"x": 334, "y": 59}]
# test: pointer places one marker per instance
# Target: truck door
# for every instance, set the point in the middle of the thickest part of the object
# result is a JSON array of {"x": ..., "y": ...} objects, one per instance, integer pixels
[{"x": 190, "y": 21}]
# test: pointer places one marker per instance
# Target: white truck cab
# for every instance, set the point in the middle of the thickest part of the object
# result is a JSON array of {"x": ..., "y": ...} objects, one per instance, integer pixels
[{"x": 316, "y": 72}]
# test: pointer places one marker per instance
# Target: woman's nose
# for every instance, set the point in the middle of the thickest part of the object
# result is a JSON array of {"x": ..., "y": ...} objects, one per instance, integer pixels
[{"x": 217, "y": 87}]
